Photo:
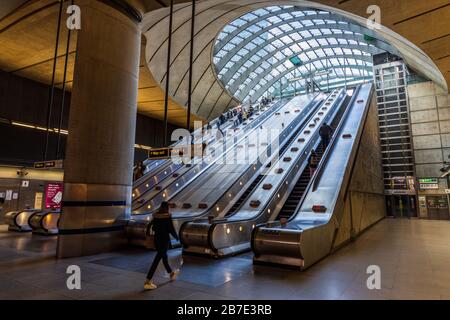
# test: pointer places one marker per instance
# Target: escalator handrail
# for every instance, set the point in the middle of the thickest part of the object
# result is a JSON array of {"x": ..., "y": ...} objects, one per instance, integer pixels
[{"x": 327, "y": 154}]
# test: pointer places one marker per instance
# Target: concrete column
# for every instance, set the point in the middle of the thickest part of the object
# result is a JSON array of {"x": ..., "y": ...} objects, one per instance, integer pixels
[{"x": 102, "y": 121}]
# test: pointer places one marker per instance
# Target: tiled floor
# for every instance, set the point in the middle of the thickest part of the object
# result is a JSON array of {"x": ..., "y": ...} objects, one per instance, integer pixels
[{"x": 414, "y": 257}]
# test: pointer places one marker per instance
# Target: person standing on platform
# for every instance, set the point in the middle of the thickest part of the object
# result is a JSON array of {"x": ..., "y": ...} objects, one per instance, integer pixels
[
  {"x": 163, "y": 228},
  {"x": 139, "y": 171},
  {"x": 325, "y": 133}
]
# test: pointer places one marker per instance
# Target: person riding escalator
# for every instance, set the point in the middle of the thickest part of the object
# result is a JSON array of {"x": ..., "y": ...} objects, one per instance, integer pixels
[
  {"x": 325, "y": 133},
  {"x": 313, "y": 162}
]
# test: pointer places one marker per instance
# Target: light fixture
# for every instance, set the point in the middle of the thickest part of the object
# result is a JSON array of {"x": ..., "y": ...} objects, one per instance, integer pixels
[{"x": 228, "y": 230}]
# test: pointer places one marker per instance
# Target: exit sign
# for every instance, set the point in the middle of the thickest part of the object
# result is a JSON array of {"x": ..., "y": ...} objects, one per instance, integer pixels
[
  {"x": 428, "y": 180},
  {"x": 296, "y": 61},
  {"x": 369, "y": 38}
]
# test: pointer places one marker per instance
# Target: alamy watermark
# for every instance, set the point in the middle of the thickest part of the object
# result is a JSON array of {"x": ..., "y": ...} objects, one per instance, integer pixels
[
  {"x": 374, "y": 20},
  {"x": 73, "y": 282},
  {"x": 373, "y": 282},
  {"x": 74, "y": 20}
]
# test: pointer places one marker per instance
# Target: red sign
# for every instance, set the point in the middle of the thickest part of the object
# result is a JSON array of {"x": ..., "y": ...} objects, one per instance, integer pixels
[{"x": 53, "y": 195}]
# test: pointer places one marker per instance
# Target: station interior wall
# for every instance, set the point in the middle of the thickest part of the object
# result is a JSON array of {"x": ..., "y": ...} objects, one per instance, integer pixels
[
  {"x": 364, "y": 203},
  {"x": 26, "y": 101},
  {"x": 430, "y": 125}
]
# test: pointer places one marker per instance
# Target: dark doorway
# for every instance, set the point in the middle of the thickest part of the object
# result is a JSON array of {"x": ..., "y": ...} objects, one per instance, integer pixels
[{"x": 401, "y": 206}]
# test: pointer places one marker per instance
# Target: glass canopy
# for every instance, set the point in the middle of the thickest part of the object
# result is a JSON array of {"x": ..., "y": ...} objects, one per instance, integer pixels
[{"x": 277, "y": 49}]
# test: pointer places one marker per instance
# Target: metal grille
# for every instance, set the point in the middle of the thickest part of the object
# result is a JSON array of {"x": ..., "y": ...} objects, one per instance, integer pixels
[{"x": 395, "y": 131}]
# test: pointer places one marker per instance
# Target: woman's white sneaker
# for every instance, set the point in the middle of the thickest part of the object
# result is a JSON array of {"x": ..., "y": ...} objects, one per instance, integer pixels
[
  {"x": 150, "y": 285},
  {"x": 174, "y": 275}
]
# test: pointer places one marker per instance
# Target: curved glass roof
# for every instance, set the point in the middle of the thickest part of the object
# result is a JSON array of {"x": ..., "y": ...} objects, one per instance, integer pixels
[{"x": 275, "y": 49}]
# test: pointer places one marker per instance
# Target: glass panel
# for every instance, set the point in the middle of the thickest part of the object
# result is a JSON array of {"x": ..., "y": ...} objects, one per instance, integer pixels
[{"x": 267, "y": 56}]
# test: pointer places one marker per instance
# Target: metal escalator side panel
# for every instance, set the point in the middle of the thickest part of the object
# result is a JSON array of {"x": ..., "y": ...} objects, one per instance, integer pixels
[{"x": 272, "y": 246}]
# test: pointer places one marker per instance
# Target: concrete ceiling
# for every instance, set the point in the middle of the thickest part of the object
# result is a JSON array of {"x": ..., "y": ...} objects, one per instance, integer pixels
[
  {"x": 27, "y": 44},
  {"x": 27, "y": 39}
]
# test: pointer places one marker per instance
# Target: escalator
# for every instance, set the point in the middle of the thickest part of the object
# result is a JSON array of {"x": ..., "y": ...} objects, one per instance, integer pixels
[
  {"x": 167, "y": 183},
  {"x": 157, "y": 170},
  {"x": 244, "y": 196},
  {"x": 230, "y": 234},
  {"x": 300, "y": 187},
  {"x": 252, "y": 187},
  {"x": 209, "y": 193},
  {"x": 314, "y": 228}
]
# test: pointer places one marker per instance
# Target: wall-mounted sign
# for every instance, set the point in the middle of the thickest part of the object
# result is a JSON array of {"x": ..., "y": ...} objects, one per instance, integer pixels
[
  {"x": 428, "y": 183},
  {"x": 53, "y": 195},
  {"x": 54, "y": 164},
  {"x": 8, "y": 195},
  {"x": 161, "y": 153},
  {"x": 399, "y": 192},
  {"x": 428, "y": 180},
  {"x": 428, "y": 186},
  {"x": 38, "y": 196},
  {"x": 296, "y": 61},
  {"x": 166, "y": 153},
  {"x": 25, "y": 184},
  {"x": 369, "y": 38}
]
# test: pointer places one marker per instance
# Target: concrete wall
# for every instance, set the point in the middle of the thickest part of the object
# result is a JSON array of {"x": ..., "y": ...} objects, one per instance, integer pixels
[
  {"x": 364, "y": 204},
  {"x": 430, "y": 125},
  {"x": 26, "y": 101}
]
